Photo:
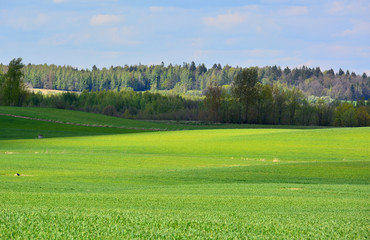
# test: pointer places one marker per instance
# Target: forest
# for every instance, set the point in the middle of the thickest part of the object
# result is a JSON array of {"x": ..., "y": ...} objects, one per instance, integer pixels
[
  {"x": 341, "y": 85},
  {"x": 231, "y": 95}
]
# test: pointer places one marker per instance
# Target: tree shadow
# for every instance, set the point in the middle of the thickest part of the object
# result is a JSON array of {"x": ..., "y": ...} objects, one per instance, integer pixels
[{"x": 19, "y": 128}]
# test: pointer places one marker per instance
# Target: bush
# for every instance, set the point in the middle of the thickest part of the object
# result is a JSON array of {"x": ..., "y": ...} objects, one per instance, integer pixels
[{"x": 110, "y": 111}]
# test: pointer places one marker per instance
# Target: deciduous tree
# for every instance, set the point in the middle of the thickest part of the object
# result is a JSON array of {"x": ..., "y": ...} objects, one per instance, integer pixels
[
  {"x": 244, "y": 88},
  {"x": 13, "y": 90},
  {"x": 213, "y": 100}
]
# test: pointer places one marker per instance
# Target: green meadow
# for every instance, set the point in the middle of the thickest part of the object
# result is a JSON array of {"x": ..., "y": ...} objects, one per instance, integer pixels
[{"x": 132, "y": 181}]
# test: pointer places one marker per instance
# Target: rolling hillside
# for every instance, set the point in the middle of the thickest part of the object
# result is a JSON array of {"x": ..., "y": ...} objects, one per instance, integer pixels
[{"x": 102, "y": 182}]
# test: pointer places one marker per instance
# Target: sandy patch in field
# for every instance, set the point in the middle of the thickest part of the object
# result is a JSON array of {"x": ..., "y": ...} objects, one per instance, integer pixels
[
  {"x": 15, "y": 175},
  {"x": 9, "y": 152},
  {"x": 236, "y": 165},
  {"x": 295, "y": 189},
  {"x": 276, "y": 160},
  {"x": 23, "y": 175},
  {"x": 47, "y": 91}
]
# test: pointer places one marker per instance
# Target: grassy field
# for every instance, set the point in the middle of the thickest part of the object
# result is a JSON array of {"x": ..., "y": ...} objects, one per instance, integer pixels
[
  {"x": 77, "y": 117},
  {"x": 93, "y": 182},
  {"x": 48, "y": 91}
]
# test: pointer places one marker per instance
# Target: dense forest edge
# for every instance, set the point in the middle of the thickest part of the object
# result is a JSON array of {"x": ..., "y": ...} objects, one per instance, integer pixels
[
  {"x": 190, "y": 78},
  {"x": 268, "y": 95}
]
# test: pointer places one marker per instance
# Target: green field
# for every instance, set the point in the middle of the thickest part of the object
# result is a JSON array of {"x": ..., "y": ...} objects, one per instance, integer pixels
[
  {"x": 76, "y": 117},
  {"x": 99, "y": 182}
]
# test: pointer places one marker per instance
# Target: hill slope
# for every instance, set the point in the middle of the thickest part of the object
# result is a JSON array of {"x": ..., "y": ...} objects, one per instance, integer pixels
[
  {"x": 242, "y": 183},
  {"x": 91, "y": 119}
]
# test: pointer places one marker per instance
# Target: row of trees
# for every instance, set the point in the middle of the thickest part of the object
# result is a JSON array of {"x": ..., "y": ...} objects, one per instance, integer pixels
[
  {"x": 274, "y": 104},
  {"x": 182, "y": 78},
  {"x": 126, "y": 103},
  {"x": 247, "y": 100}
]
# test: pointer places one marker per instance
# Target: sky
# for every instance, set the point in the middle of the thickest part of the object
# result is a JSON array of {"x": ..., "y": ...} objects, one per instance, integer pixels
[{"x": 82, "y": 33}]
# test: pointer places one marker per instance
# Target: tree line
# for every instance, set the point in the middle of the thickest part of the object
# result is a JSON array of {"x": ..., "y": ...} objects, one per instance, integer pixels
[
  {"x": 342, "y": 85},
  {"x": 245, "y": 100}
]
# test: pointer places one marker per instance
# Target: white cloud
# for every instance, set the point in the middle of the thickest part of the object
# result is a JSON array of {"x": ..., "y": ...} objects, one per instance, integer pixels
[
  {"x": 41, "y": 19},
  {"x": 254, "y": 19},
  {"x": 306, "y": 64},
  {"x": 225, "y": 21},
  {"x": 28, "y": 22},
  {"x": 197, "y": 43},
  {"x": 344, "y": 51},
  {"x": 103, "y": 19},
  {"x": 337, "y": 7},
  {"x": 200, "y": 55},
  {"x": 254, "y": 54},
  {"x": 294, "y": 11},
  {"x": 251, "y": 7},
  {"x": 349, "y": 7},
  {"x": 112, "y": 54},
  {"x": 121, "y": 36},
  {"x": 274, "y": 1},
  {"x": 263, "y": 53},
  {"x": 156, "y": 9},
  {"x": 232, "y": 41},
  {"x": 359, "y": 29},
  {"x": 111, "y": 35},
  {"x": 160, "y": 8},
  {"x": 63, "y": 39}
]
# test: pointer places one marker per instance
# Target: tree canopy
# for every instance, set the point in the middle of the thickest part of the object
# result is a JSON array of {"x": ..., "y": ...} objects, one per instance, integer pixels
[
  {"x": 266, "y": 95},
  {"x": 244, "y": 88},
  {"x": 13, "y": 90},
  {"x": 193, "y": 77}
]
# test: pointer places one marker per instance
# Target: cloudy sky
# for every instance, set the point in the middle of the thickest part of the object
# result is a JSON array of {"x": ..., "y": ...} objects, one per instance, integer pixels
[{"x": 329, "y": 34}]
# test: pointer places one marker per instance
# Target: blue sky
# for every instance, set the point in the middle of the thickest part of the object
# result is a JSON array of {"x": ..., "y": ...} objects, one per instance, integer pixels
[{"x": 329, "y": 34}]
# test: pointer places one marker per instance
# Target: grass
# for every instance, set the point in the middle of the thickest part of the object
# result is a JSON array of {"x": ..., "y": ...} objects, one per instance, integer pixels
[
  {"x": 92, "y": 119},
  {"x": 48, "y": 91},
  {"x": 77, "y": 117},
  {"x": 87, "y": 182},
  {"x": 19, "y": 128}
]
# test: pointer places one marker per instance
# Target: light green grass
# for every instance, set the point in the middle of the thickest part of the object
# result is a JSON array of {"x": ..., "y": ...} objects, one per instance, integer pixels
[{"x": 199, "y": 184}]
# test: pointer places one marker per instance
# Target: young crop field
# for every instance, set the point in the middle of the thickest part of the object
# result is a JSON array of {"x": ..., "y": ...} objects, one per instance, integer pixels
[
  {"x": 130, "y": 182},
  {"x": 91, "y": 119}
]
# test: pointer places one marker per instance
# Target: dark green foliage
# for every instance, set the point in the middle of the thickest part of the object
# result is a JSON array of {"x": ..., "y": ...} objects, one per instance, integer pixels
[
  {"x": 128, "y": 104},
  {"x": 275, "y": 104},
  {"x": 363, "y": 116},
  {"x": 267, "y": 95},
  {"x": 1, "y": 85},
  {"x": 311, "y": 81},
  {"x": 341, "y": 72},
  {"x": 213, "y": 102},
  {"x": 12, "y": 88},
  {"x": 245, "y": 90},
  {"x": 345, "y": 115}
]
